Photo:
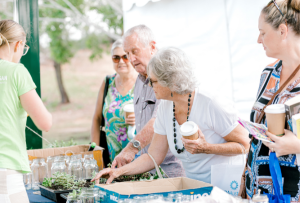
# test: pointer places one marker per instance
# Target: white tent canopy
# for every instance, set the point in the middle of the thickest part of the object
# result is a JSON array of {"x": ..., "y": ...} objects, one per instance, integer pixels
[{"x": 219, "y": 36}]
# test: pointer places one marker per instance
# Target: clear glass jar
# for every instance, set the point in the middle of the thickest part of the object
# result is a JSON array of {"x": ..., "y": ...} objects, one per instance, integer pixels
[
  {"x": 35, "y": 174},
  {"x": 27, "y": 179},
  {"x": 50, "y": 160},
  {"x": 57, "y": 158},
  {"x": 75, "y": 168},
  {"x": 95, "y": 165},
  {"x": 30, "y": 162},
  {"x": 72, "y": 199},
  {"x": 53, "y": 168},
  {"x": 67, "y": 160},
  {"x": 88, "y": 169},
  {"x": 43, "y": 170},
  {"x": 90, "y": 195},
  {"x": 58, "y": 167}
]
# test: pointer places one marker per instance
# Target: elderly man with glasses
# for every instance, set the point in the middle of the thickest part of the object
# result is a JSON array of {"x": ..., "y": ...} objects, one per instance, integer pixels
[{"x": 140, "y": 46}]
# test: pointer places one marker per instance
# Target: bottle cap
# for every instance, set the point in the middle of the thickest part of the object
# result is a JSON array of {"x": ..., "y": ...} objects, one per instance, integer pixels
[{"x": 93, "y": 145}]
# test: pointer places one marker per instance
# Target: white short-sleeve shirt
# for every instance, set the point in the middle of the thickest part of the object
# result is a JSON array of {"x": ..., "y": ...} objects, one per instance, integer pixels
[{"x": 215, "y": 116}]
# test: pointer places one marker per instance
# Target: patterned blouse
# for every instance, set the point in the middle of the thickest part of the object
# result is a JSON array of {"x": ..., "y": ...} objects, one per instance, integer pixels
[
  {"x": 258, "y": 173},
  {"x": 115, "y": 127}
]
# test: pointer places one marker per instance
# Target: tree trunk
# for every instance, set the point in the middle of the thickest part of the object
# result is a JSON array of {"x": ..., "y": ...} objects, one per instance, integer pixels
[{"x": 63, "y": 93}]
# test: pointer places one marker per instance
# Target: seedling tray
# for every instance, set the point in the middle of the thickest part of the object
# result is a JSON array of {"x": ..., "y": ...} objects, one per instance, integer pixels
[{"x": 53, "y": 194}]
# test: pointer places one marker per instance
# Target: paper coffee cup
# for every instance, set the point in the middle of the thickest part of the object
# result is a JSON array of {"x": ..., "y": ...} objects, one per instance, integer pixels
[
  {"x": 189, "y": 130},
  {"x": 276, "y": 119},
  {"x": 128, "y": 109}
]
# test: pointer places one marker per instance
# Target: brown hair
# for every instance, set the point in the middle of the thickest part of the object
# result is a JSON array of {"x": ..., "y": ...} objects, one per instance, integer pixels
[
  {"x": 291, "y": 14},
  {"x": 11, "y": 31}
]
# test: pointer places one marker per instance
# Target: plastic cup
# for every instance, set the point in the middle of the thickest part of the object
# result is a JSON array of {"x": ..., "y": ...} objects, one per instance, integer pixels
[
  {"x": 276, "y": 119},
  {"x": 189, "y": 130}
]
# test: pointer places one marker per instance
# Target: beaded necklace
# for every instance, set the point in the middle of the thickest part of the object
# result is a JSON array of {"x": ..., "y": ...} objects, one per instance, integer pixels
[{"x": 174, "y": 124}]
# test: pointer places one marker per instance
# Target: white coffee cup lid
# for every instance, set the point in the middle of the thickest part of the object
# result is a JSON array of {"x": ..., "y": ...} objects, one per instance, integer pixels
[
  {"x": 188, "y": 128},
  {"x": 275, "y": 108},
  {"x": 128, "y": 108}
]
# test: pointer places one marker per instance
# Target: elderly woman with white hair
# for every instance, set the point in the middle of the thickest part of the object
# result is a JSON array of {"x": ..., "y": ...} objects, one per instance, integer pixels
[
  {"x": 220, "y": 137},
  {"x": 119, "y": 93}
]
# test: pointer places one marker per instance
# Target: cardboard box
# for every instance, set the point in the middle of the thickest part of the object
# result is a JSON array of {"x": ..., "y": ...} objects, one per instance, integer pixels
[
  {"x": 187, "y": 186},
  {"x": 79, "y": 149}
]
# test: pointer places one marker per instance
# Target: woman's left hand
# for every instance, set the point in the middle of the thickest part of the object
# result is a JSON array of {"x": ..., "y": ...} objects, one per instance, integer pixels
[
  {"x": 196, "y": 146},
  {"x": 287, "y": 144}
]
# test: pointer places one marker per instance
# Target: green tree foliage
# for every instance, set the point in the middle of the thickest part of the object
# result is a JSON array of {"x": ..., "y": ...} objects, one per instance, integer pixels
[{"x": 58, "y": 17}]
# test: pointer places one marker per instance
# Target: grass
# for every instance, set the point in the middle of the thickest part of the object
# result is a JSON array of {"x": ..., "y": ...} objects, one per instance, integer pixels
[{"x": 82, "y": 80}]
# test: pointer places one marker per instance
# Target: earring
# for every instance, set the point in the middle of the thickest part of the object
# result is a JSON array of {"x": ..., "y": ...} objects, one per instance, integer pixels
[{"x": 171, "y": 94}]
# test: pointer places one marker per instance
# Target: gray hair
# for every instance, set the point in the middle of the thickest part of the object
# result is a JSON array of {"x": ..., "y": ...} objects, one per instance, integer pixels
[
  {"x": 173, "y": 69},
  {"x": 116, "y": 44},
  {"x": 144, "y": 34}
]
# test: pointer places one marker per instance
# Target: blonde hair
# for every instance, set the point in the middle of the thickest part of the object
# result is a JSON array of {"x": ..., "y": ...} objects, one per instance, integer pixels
[
  {"x": 291, "y": 14},
  {"x": 11, "y": 31}
]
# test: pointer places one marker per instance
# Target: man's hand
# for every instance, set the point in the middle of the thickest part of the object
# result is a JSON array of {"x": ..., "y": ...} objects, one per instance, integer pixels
[
  {"x": 125, "y": 157},
  {"x": 108, "y": 173}
]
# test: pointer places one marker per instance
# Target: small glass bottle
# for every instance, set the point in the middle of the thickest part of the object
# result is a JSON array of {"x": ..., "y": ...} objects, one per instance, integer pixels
[
  {"x": 27, "y": 178},
  {"x": 88, "y": 169},
  {"x": 75, "y": 169},
  {"x": 43, "y": 170},
  {"x": 95, "y": 165},
  {"x": 58, "y": 167},
  {"x": 35, "y": 174},
  {"x": 50, "y": 160}
]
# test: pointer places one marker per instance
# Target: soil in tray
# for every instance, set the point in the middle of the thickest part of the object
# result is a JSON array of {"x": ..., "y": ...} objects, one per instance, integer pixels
[
  {"x": 87, "y": 184},
  {"x": 133, "y": 177}
]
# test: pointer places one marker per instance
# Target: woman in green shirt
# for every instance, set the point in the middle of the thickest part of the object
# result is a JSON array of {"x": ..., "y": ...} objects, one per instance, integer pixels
[{"x": 18, "y": 99}]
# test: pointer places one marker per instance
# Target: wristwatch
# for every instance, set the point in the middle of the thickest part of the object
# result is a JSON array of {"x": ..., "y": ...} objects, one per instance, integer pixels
[{"x": 136, "y": 144}]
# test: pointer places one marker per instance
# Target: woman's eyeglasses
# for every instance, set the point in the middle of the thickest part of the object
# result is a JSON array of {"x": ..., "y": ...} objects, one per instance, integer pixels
[
  {"x": 273, "y": 1},
  {"x": 25, "y": 50},
  {"x": 116, "y": 58},
  {"x": 151, "y": 82}
]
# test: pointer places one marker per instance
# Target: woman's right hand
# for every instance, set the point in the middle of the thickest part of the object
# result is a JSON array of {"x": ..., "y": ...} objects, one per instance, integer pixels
[
  {"x": 108, "y": 173},
  {"x": 130, "y": 120}
]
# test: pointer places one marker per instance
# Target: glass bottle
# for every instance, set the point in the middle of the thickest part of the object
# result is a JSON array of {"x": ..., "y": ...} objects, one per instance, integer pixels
[
  {"x": 50, "y": 160},
  {"x": 27, "y": 178},
  {"x": 58, "y": 167},
  {"x": 35, "y": 174},
  {"x": 43, "y": 170},
  {"x": 75, "y": 169},
  {"x": 90, "y": 195},
  {"x": 88, "y": 169},
  {"x": 95, "y": 165}
]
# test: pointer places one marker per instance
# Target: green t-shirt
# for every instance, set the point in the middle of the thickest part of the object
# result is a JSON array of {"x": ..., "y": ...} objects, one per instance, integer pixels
[{"x": 15, "y": 81}]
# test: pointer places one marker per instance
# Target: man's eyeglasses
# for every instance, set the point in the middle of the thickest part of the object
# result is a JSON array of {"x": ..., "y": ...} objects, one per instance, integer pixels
[
  {"x": 116, "y": 58},
  {"x": 151, "y": 82},
  {"x": 25, "y": 50},
  {"x": 273, "y": 1}
]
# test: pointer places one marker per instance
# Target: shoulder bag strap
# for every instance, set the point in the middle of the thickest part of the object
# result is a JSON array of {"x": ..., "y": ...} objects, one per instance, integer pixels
[
  {"x": 261, "y": 116},
  {"x": 104, "y": 96}
]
